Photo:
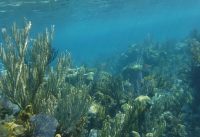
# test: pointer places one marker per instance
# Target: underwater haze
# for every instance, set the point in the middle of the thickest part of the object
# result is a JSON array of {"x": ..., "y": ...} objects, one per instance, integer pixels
[
  {"x": 103, "y": 68},
  {"x": 96, "y": 29}
]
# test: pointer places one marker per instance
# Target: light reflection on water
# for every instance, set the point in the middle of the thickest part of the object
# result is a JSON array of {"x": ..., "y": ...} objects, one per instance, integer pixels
[
  {"x": 99, "y": 26},
  {"x": 88, "y": 8}
]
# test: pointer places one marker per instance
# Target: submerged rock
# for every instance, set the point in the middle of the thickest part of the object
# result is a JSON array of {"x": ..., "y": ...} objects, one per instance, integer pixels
[{"x": 43, "y": 125}]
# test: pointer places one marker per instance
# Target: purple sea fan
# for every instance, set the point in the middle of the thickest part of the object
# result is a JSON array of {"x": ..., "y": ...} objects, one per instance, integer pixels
[{"x": 43, "y": 125}]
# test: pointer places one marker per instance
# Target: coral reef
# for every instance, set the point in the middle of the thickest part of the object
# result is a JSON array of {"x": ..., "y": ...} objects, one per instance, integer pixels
[{"x": 152, "y": 91}]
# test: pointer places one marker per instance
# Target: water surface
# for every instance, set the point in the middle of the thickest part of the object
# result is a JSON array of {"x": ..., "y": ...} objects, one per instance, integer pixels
[{"x": 92, "y": 29}]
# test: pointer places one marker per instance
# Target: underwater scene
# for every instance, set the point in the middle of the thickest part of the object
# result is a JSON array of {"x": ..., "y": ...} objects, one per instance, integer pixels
[{"x": 100, "y": 68}]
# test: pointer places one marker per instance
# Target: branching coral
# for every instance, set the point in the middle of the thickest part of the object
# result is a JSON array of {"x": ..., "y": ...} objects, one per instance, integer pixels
[
  {"x": 30, "y": 81},
  {"x": 25, "y": 64},
  {"x": 144, "y": 99},
  {"x": 72, "y": 109}
]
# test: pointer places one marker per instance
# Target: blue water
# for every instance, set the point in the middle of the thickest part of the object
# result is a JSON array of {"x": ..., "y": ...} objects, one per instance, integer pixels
[{"x": 95, "y": 29}]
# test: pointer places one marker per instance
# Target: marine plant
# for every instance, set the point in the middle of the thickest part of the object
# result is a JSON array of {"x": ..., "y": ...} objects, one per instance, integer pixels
[
  {"x": 25, "y": 63},
  {"x": 36, "y": 86},
  {"x": 108, "y": 91},
  {"x": 57, "y": 99},
  {"x": 158, "y": 110},
  {"x": 193, "y": 74}
]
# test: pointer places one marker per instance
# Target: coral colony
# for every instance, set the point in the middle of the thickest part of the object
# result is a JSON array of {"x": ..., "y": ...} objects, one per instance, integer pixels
[{"x": 153, "y": 91}]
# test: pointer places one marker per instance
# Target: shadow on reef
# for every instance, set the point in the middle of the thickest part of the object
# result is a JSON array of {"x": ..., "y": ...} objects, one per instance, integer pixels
[{"x": 153, "y": 91}]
